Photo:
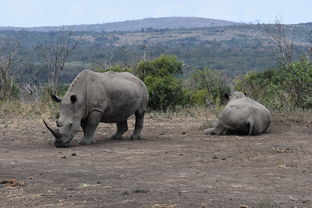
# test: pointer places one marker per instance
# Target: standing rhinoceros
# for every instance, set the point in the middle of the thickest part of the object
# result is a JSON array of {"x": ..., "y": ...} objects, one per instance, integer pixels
[
  {"x": 92, "y": 97},
  {"x": 242, "y": 115}
]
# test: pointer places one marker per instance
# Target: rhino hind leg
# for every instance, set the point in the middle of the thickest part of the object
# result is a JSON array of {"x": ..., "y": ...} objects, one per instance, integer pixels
[
  {"x": 122, "y": 127},
  {"x": 89, "y": 127},
  {"x": 139, "y": 120}
]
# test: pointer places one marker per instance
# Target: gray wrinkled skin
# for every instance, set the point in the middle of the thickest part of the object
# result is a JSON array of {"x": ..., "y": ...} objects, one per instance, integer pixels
[
  {"x": 109, "y": 97},
  {"x": 242, "y": 115}
]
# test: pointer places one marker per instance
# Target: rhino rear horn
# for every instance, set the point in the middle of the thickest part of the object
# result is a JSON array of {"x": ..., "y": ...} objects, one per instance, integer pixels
[
  {"x": 55, "y": 132},
  {"x": 56, "y": 98}
]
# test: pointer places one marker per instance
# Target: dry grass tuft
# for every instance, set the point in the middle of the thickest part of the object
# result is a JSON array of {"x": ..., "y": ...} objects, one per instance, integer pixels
[
  {"x": 295, "y": 116},
  {"x": 15, "y": 108}
]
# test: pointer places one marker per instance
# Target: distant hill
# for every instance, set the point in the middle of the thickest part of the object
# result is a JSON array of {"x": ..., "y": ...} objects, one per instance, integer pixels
[
  {"x": 197, "y": 42},
  {"x": 138, "y": 25}
]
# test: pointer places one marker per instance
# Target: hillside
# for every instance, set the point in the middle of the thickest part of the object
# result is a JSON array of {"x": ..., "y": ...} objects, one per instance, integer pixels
[
  {"x": 235, "y": 49},
  {"x": 137, "y": 25}
]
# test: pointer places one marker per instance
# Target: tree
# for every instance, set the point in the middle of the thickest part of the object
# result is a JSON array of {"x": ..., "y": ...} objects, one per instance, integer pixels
[
  {"x": 8, "y": 59},
  {"x": 214, "y": 82},
  {"x": 55, "y": 54},
  {"x": 308, "y": 53},
  {"x": 163, "y": 66},
  {"x": 165, "y": 90},
  {"x": 282, "y": 45}
]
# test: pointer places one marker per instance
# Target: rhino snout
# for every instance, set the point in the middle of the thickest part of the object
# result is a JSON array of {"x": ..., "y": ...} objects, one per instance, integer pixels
[{"x": 61, "y": 144}]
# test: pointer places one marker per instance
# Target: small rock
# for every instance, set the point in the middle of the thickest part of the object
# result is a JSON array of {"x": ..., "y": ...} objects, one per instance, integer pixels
[
  {"x": 63, "y": 157},
  {"x": 158, "y": 206},
  {"x": 125, "y": 193},
  {"x": 214, "y": 157},
  {"x": 293, "y": 198},
  {"x": 180, "y": 154},
  {"x": 164, "y": 206},
  {"x": 140, "y": 191},
  {"x": 183, "y": 133},
  {"x": 244, "y": 206},
  {"x": 12, "y": 183},
  {"x": 306, "y": 201},
  {"x": 108, "y": 151},
  {"x": 74, "y": 154}
]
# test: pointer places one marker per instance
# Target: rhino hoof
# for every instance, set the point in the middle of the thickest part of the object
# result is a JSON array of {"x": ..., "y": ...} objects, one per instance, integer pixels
[
  {"x": 87, "y": 141},
  {"x": 133, "y": 137},
  {"x": 209, "y": 131},
  {"x": 115, "y": 137}
]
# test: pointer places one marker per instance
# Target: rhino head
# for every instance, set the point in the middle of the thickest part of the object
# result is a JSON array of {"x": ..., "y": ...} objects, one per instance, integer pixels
[{"x": 68, "y": 123}]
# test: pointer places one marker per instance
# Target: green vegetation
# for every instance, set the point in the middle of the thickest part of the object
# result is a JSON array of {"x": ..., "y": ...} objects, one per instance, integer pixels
[
  {"x": 233, "y": 49},
  {"x": 165, "y": 90},
  {"x": 209, "y": 84},
  {"x": 200, "y": 73},
  {"x": 286, "y": 88}
]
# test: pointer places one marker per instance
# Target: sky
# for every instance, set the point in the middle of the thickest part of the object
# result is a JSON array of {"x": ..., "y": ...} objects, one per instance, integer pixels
[{"x": 33, "y": 13}]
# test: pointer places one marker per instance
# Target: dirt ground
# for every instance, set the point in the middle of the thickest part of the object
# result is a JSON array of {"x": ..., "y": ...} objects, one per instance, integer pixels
[{"x": 174, "y": 165}]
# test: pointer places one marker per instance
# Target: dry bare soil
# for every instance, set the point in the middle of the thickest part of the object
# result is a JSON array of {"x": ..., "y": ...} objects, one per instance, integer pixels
[{"x": 174, "y": 165}]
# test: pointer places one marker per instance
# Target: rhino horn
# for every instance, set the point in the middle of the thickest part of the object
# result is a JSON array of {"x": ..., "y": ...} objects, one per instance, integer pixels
[{"x": 55, "y": 132}]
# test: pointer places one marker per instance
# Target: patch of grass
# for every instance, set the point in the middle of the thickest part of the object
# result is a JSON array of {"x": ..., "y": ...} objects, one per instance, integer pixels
[
  {"x": 295, "y": 116},
  {"x": 185, "y": 112},
  {"x": 14, "y": 108},
  {"x": 264, "y": 203}
]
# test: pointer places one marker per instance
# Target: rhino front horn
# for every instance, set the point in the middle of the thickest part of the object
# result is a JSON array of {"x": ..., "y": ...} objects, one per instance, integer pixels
[{"x": 55, "y": 132}]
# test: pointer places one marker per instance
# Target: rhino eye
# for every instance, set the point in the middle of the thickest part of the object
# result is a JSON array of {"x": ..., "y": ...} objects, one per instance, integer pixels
[{"x": 73, "y": 99}]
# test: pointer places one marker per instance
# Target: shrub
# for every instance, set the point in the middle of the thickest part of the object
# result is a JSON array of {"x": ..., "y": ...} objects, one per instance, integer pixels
[
  {"x": 165, "y": 90},
  {"x": 211, "y": 81},
  {"x": 286, "y": 88}
]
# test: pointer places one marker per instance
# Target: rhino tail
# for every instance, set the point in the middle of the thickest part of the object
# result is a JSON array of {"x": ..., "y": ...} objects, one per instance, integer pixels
[{"x": 251, "y": 125}]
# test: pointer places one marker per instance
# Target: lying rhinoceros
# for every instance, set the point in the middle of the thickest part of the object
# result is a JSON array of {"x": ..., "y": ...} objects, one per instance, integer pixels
[
  {"x": 242, "y": 115},
  {"x": 92, "y": 97}
]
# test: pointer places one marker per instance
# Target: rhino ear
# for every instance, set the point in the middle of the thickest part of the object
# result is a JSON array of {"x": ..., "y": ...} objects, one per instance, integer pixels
[
  {"x": 56, "y": 98},
  {"x": 73, "y": 99},
  {"x": 226, "y": 96}
]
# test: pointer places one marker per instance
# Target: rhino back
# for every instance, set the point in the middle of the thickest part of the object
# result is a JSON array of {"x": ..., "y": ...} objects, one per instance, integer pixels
[{"x": 118, "y": 95}]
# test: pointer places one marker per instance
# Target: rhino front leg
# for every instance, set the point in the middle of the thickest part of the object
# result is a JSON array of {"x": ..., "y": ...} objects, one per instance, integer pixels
[
  {"x": 89, "y": 127},
  {"x": 217, "y": 130},
  {"x": 122, "y": 127},
  {"x": 139, "y": 120}
]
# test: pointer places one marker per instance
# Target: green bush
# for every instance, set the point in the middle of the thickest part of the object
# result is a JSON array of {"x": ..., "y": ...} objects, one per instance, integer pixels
[
  {"x": 211, "y": 81},
  {"x": 165, "y": 65},
  {"x": 196, "y": 97},
  {"x": 8, "y": 89},
  {"x": 115, "y": 68},
  {"x": 165, "y": 90},
  {"x": 285, "y": 88}
]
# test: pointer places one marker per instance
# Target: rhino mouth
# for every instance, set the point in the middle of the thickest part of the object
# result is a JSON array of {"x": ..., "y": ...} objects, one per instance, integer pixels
[
  {"x": 61, "y": 141},
  {"x": 60, "y": 144}
]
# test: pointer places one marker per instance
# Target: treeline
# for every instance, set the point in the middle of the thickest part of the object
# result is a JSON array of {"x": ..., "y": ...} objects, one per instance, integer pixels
[
  {"x": 285, "y": 88},
  {"x": 233, "y": 49},
  {"x": 170, "y": 80}
]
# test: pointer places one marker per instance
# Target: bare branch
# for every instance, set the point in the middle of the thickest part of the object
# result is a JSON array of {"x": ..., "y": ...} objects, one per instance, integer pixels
[
  {"x": 55, "y": 55},
  {"x": 283, "y": 46}
]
